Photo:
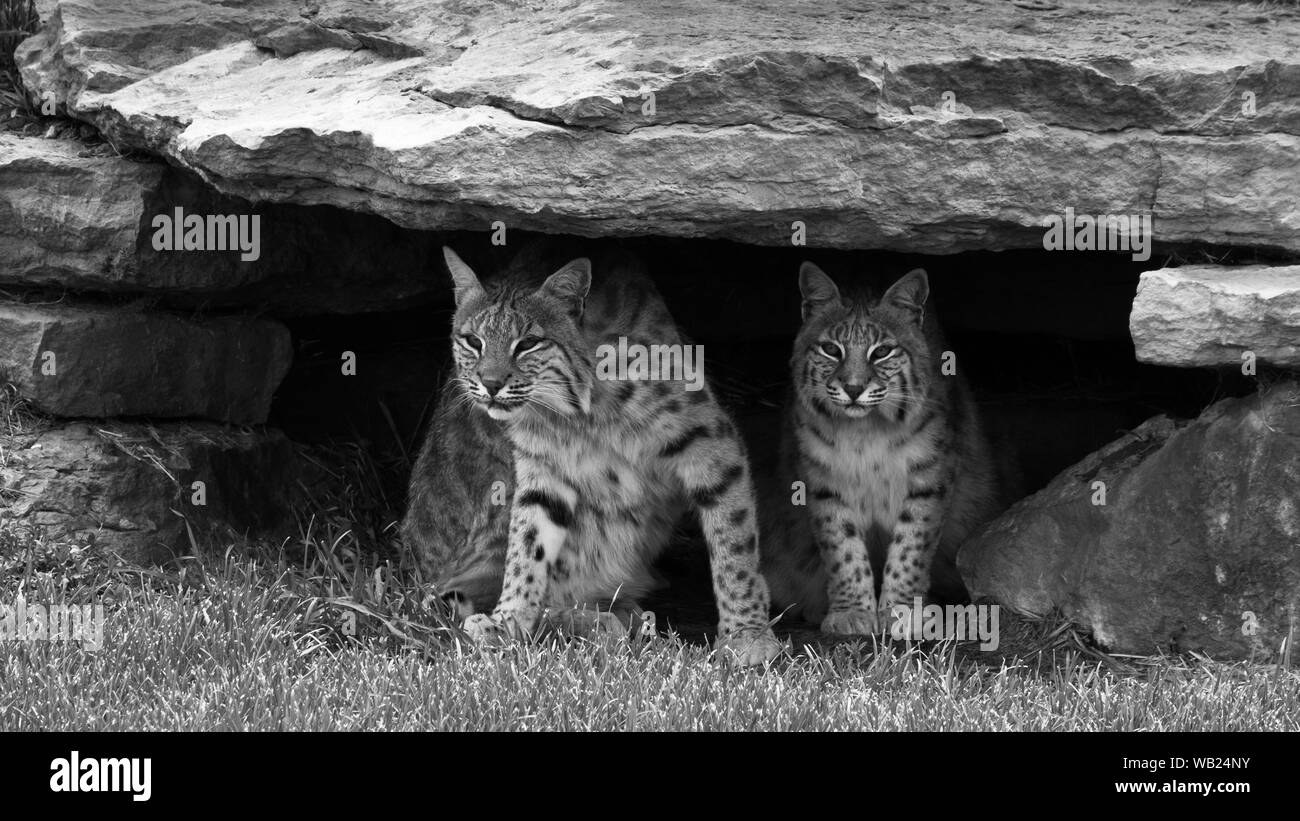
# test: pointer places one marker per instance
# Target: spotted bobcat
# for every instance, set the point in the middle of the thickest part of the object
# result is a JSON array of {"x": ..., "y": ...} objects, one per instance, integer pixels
[
  {"x": 603, "y": 468},
  {"x": 890, "y": 452}
]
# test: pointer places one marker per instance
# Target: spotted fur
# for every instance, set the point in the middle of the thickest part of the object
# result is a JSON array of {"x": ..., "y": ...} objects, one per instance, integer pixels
[
  {"x": 602, "y": 469},
  {"x": 890, "y": 454}
]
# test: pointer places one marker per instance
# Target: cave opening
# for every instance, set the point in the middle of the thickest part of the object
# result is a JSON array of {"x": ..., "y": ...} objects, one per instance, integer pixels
[{"x": 1041, "y": 336}]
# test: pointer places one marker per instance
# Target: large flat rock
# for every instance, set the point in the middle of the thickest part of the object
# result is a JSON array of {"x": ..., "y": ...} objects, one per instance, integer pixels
[
  {"x": 79, "y": 217},
  {"x": 880, "y": 125},
  {"x": 1196, "y": 547},
  {"x": 67, "y": 218},
  {"x": 1210, "y": 315},
  {"x": 103, "y": 361},
  {"x": 130, "y": 488}
]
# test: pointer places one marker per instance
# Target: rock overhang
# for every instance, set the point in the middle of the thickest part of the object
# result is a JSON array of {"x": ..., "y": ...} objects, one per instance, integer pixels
[{"x": 874, "y": 126}]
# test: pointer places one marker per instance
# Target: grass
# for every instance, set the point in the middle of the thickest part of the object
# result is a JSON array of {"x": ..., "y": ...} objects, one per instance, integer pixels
[
  {"x": 255, "y": 641},
  {"x": 335, "y": 630},
  {"x": 18, "y": 21}
]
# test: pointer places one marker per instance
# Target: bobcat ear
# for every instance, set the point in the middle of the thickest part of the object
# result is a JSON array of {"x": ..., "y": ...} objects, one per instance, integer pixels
[
  {"x": 818, "y": 289},
  {"x": 466, "y": 283},
  {"x": 570, "y": 285},
  {"x": 909, "y": 293}
]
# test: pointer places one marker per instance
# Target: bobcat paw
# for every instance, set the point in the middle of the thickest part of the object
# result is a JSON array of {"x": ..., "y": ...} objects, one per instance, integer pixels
[
  {"x": 851, "y": 622},
  {"x": 482, "y": 629},
  {"x": 609, "y": 624},
  {"x": 586, "y": 623},
  {"x": 749, "y": 648},
  {"x": 497, "y": 627}
]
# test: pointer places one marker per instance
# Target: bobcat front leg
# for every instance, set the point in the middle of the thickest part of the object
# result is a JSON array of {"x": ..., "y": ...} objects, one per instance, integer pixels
[
  {"x": 713, "y": 468},
  {"x": 915, "y": 541},
  {"x": 850, "y": 582},
  {"x": 541, "y": 515}
]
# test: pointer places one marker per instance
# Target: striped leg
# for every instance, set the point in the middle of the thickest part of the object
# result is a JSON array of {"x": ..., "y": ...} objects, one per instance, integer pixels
[
  {"x": 713, "y": 469},
  {"x": 540, "y": 518}
]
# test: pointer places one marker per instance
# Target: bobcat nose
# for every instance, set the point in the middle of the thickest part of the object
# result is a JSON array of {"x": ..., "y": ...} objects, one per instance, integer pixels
[
  {"x": 854, "y": 391},
  {"x": 491, "y": 385}
]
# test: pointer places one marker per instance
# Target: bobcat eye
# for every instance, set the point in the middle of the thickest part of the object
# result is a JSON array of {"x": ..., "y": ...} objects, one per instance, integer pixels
[
  {"x": 472, "y": 342},
  {"x": 883, "y": 352},
  {"x": 528, "y": 344},
  {"x": 830, "y": 349}
]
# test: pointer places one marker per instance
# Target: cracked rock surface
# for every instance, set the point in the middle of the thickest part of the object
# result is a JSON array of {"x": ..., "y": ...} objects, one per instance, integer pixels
[
  {"x": 867, "y": 121},
  {"x": 1163, "y": 540},
  {"x": 1212, "y": 316},
  {"x": 100, "y": 361},
  {"x": 130, "y": 488}
]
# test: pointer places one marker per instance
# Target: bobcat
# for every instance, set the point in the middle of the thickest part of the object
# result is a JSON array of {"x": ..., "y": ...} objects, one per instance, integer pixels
[
  {"x": 603, "y": 468},
  {"x": 890, "y": 451}
]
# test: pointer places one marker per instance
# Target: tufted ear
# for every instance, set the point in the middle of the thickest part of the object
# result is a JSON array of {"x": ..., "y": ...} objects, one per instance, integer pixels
[
  {"x": 909, "y": 293},
  {"x": 462, "y": 276},
  {"x": 819, "y": 290},
  {"x": 570, "y": 285}
]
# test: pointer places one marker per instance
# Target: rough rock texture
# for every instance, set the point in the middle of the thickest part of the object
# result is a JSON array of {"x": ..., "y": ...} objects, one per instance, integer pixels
[
  {"x": 80, "y": 218},
  {"x": 1210, "y": 315},
  {"x": 875, "y": 125},
  {"x": 130, "y": 489},
  {"x": 119, "y": 361},
  {"x": 67, "y": 218},
  {"x": 1201, "y": 525}
]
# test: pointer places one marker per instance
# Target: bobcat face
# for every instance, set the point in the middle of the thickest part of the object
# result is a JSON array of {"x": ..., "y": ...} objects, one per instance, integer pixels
[
  {"x": 859, "y": 358},
  {"x": 520, "y": 351},
  {"x": 505, "y": 358},
  {"x": 857, "y": 364}
]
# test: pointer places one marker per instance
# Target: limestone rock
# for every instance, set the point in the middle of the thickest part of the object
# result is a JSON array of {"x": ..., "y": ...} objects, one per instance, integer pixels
[
  {"x": 1210, "y": 315},
  {"x": 66, "y": 218},
  {"x": 1197, "y": 546},
  {"x": 118, "y": 361},
  {"x": 878, "y": 128},
  {"x": 130, "y": 488},
  {"x": 80, "y": 218}
]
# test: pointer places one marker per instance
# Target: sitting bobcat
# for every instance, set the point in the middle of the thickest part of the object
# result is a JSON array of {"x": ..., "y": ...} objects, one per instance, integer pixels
[
  {"x": 603, "y": 468},
  {"x": 890, "y": 451}
]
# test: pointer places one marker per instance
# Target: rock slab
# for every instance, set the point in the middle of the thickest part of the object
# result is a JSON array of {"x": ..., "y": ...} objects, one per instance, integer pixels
[
  {"x": 886, "y": 126},
  {"x": 81, "y": 218},
  {"x": 69, "y": 219},
  {"x": 1196, "y": 548},
  {"x": 1210, "y": 315},
  {"x": 106, "y": 361},
  {"x": 130, "y": 488}
]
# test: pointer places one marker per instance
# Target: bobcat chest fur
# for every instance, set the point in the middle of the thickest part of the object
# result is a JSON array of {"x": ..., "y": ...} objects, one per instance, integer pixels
[
  {"x": 624, "y": 508},
  {"x": 878, "y": 460}
]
